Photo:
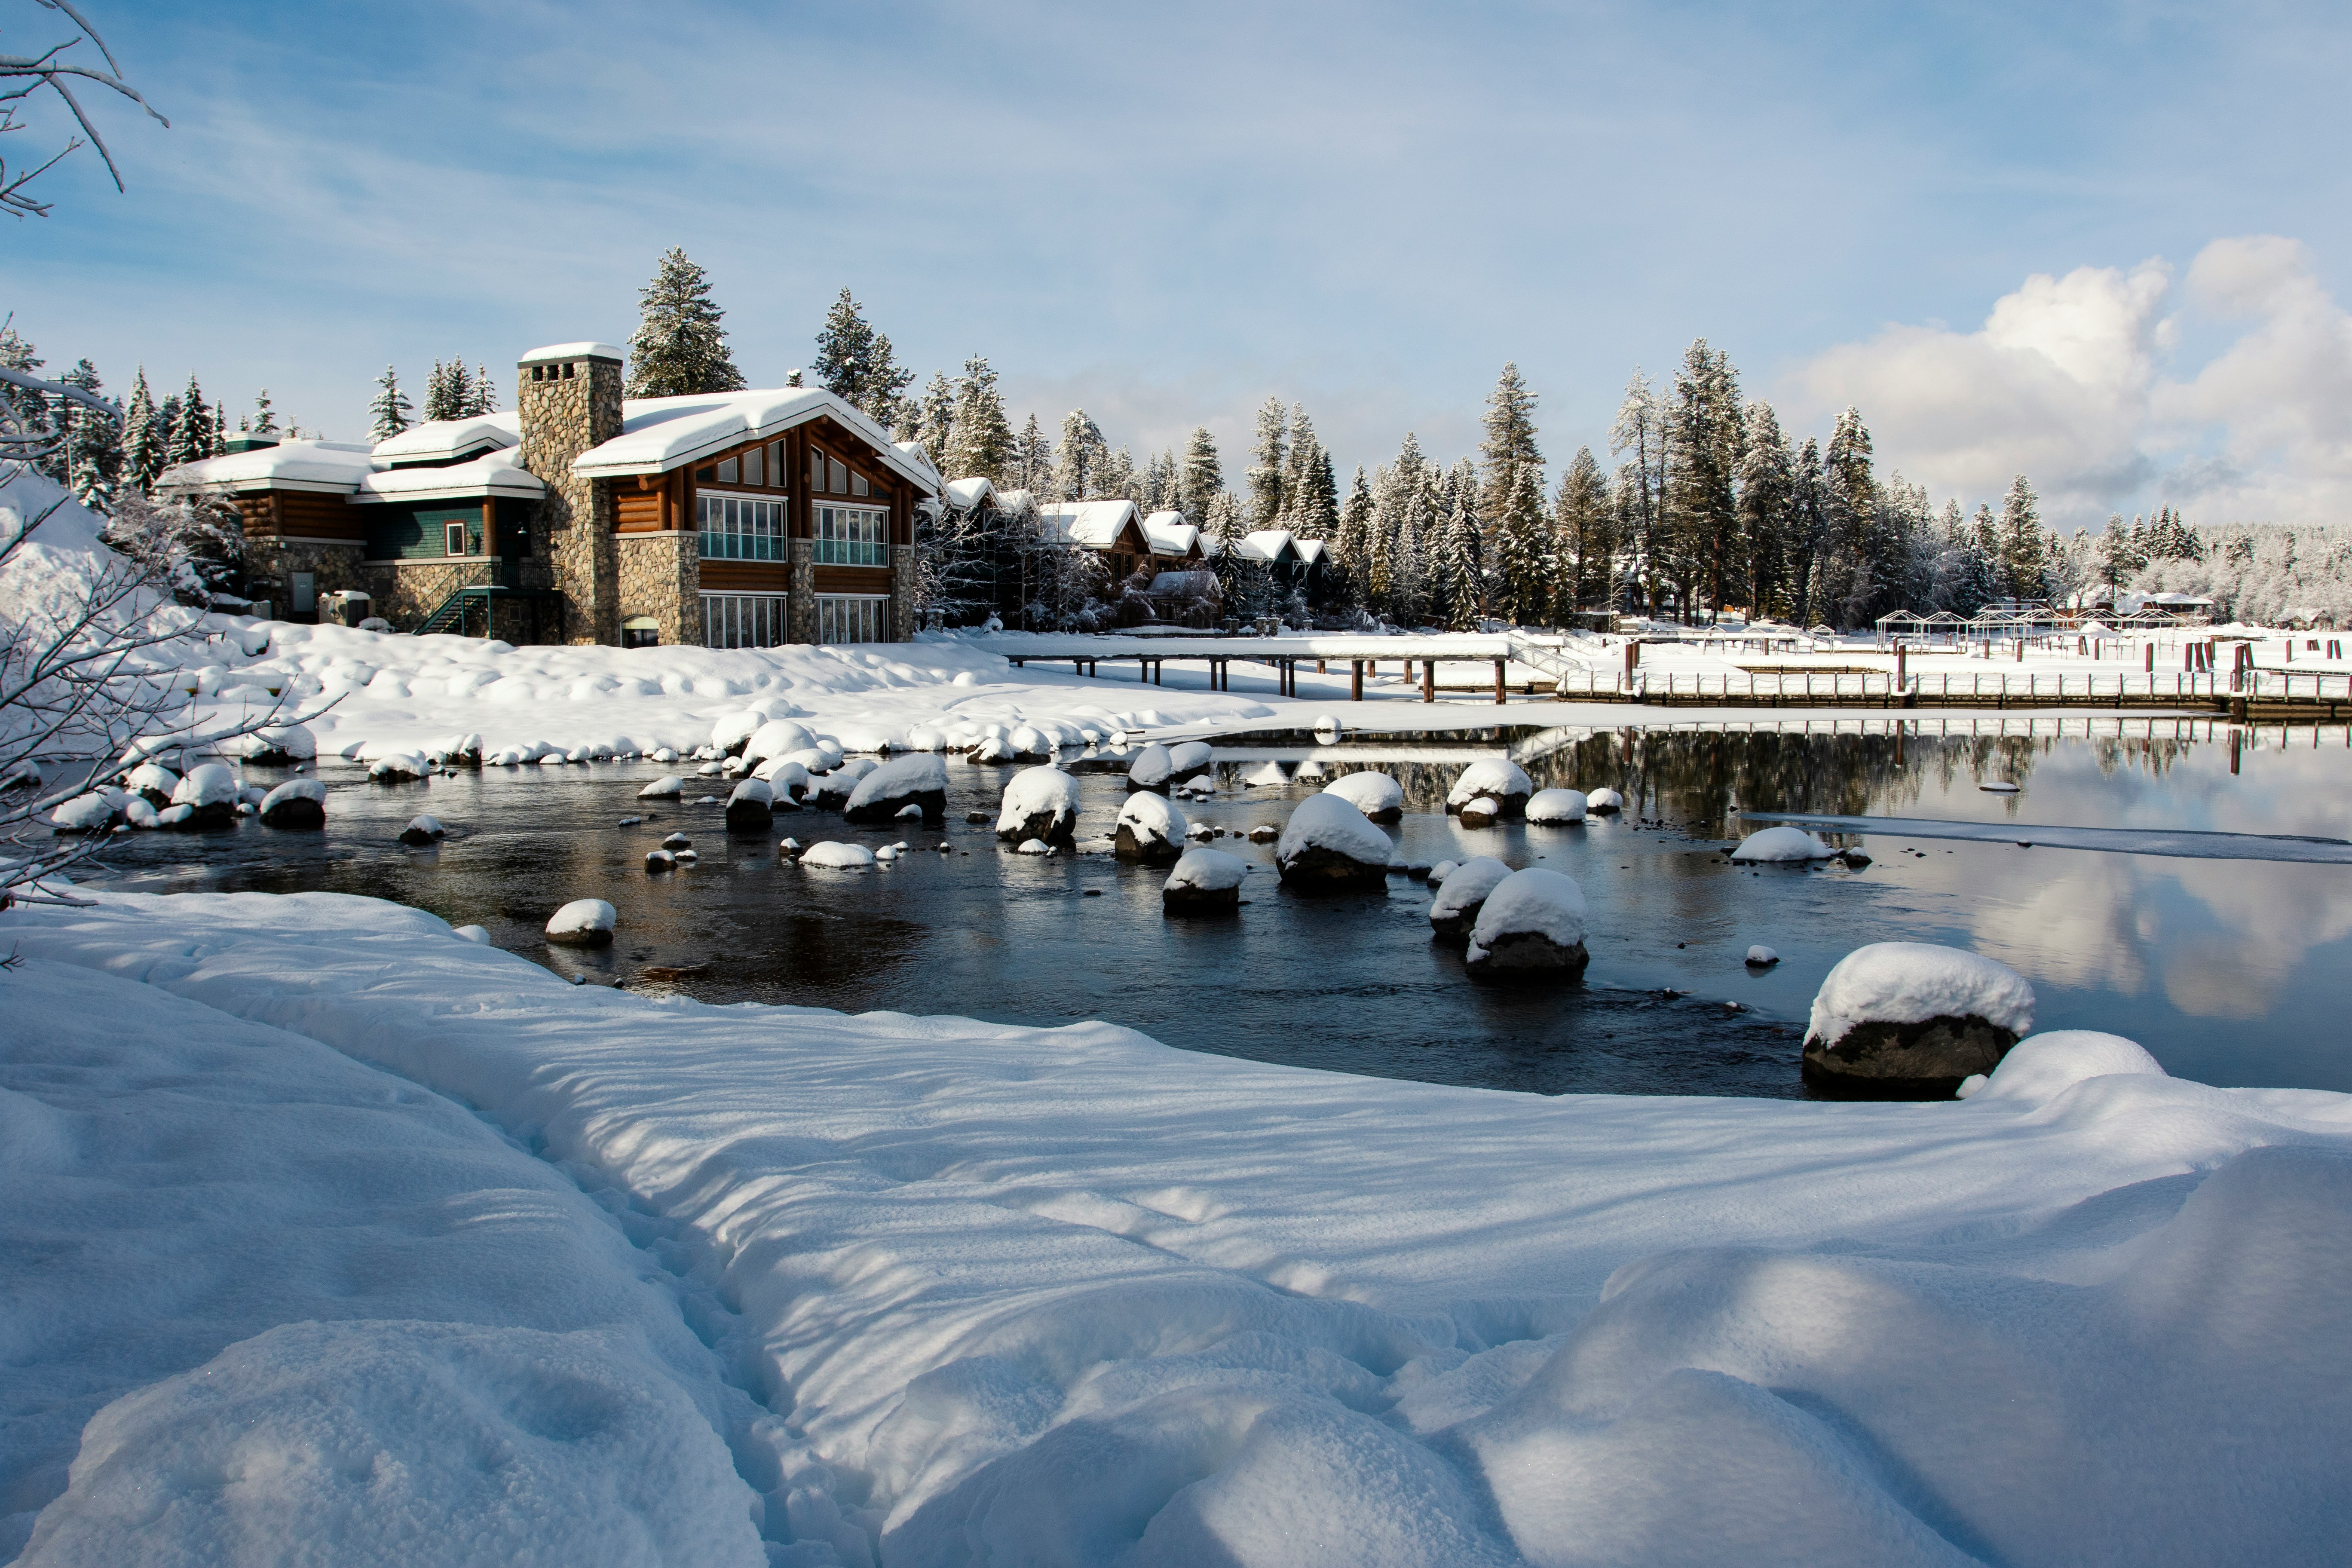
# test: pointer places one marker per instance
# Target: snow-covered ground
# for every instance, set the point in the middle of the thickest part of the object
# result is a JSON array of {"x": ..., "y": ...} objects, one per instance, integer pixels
[{"x": 1013, "y": 1295}]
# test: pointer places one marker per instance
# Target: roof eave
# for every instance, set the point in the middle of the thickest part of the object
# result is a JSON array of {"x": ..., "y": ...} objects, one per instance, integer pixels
[{"x": 886, "y": 449}]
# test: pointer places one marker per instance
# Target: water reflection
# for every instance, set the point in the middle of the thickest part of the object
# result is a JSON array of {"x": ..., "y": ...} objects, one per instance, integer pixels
[{"x": 2230, "y": 972}]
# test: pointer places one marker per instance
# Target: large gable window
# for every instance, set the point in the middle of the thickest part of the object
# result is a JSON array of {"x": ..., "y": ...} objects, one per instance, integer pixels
[
  {"x": 739, "y": 528},
  {"x": 852, "y": 536}
]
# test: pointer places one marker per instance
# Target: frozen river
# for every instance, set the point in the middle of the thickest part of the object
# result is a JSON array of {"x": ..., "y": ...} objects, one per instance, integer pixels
[{"x": 2230, "y": 972}]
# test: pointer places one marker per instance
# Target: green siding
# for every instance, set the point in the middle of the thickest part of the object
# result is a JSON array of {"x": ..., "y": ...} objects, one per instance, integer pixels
[{"x": 417, "y": 534}]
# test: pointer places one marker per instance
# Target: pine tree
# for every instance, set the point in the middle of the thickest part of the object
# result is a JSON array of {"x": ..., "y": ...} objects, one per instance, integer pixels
[
  {"x": 2121, "y": 557},
  {"x": 1269, "y": 456},
  {"x": 1456, "y": 570},
  {"x": 388, "y": 412},
  {"x": 1854, "y": 564},
  {"x": 1768, "y": 492},
  {"x": 930, "y": 420},
  {"x": 1401, "y": 534},
  {"x": 1236, "y": 575},
  {"x": 2021, "y": 556},
  {"x": 142, "y": 455},
  {"x": 264, "y": 416},
  {"x": 1033, "y": 461},
  {"x": 484, "y": 397},
  {"x": 856, "y": 364},
  {"x": 1705, "y": 434},
  {"x": 679, "y": 349},
  {"x": 1078, "y": 471},
  {"x": 1581, "y": 522},
  {"x": 1807, "y": 527},
  {"x": 1203, "y": 477},
  {"x": 1523, "y": 551},
  {"x": 1637, "y": 430},
  {"x": 1510, "y": 441},
  {"x": 1354, "y": 543},
  {"x": 93, "y": 447},
  {"x": 1158, "y": 484},
  {"x": 191, "y": 433},
  {"x": 981, "y": 441},
  {"x": 1115, "y": 480}
]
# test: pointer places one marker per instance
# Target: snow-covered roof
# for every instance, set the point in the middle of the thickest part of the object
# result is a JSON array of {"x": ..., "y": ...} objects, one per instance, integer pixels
[
  {"x": 1267, "y": 543},
  {"x": 662, "y": 434},
  {"x": 573, "y": 351},
  {"x": 965, "y": 495},
  {"x": 499, "y": 473},
  {"x": 1096, "y": 524},
  {"x": 1188, "y": 582},
  {"x": 1170, "y": 534},
  {"x": 331, "y": 466},
  {"x": 439, "y": 439},
  {"x": 913, "y": 452},
  {"x": 1310, "y": 551}
]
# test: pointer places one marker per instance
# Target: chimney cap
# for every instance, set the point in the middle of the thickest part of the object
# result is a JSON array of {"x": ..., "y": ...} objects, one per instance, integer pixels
[{"x": 560, "y": 351}]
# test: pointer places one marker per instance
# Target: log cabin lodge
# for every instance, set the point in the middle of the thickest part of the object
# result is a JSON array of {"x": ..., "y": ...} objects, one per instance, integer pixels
[{"x": 727, "y": 520}]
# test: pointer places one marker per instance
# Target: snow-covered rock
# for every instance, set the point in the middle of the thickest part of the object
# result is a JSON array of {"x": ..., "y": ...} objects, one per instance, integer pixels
[
  {"x": 831, "y": 855},
  {"x": 660, "y": 860},
  {"x": 137, "y": 813},
  {"x": 1150, "y": 769},
  {"x": 788, "y": 780},
  {"x": 1913, "y": 1020},
  {"x": 210, "y": 793},
  {"x": 584, "y": 922},
  {"x": 1557, "y": 807},
  {"x": 1380, "y": 797},
  {"x": 84, "y": 815},
  {"x": 1762, "y": 957},
  {"x": 1443, "y": 869},
  {"x": 733, "y": 732},
  {"x": 422, "y": 830},
  {"x": 1783, "y": 845},
  {"x": 1461, "y": 893},
  {"x": 1027, "y": 743},
  {"x": 751, "y": 808},
  {"x": 2041, "y": 1068},
  {"x": 917, "y": 779},
  {"x": 834, "y": 790},
  {"x": 153, "y": 781},
  {"x": 1189, "y": 758},
  {"x": 1603, "y": 802},
  {"x": 479, "y": 935},
  {"x": 1032, "y": 847},
  {"x": 296, "y": 802},
  {"x": 777, "y": 738},
  {"x": 1533, "y": 923},
  {"x": 1039, "y": 802},
  {"x": 1149, "y": 830},
  {"x": 667, "y": 787},
  {"x": 279, "y": 745},
  {"x": 677, "y": 841},
  {"x": 1328, "y": 846},
  {"x": 1498, "y": 779},
  {"x": 1206, "y": 881},
  {"x": 399, "y": 767}
]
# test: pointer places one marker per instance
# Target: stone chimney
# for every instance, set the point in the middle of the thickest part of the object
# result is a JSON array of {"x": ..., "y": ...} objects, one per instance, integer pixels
[{"x": 569, "y": 398}]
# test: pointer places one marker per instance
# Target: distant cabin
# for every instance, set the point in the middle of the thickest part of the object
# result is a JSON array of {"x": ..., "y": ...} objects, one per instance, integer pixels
[{"x": 727, "y": 520}]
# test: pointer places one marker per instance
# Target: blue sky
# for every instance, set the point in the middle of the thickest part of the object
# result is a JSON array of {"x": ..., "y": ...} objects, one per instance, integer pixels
[{"x": 1167, "y": 214}]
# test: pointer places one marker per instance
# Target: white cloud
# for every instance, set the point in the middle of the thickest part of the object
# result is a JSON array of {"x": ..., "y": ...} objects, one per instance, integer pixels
[{"x": 2071, "y": 381}]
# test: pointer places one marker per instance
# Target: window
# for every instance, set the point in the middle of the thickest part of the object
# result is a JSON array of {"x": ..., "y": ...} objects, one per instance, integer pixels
[
  {"x": 727, "y": 471},
  {"x": 840, "y": 476},
  {"x": 852, "y": 536},
  {"x": 740, "y": 528},
  {"x": 816, "y": 470},
  {"x": 857, "y": 485},
  {"x": 755, "y": 466},
  {"x": 641, "y": 631},
  {"x": 848, "y": 617},
  {"x": 743, "y": 620},
  {"x": 776, "y": 463},
  {"x": 453, "y": 538}
]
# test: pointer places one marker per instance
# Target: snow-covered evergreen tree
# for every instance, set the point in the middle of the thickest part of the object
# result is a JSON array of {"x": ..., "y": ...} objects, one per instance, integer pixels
[
  {"x": 1704, "y": 435},
  {"x": 2021, "y": 556},
  {"x": 193, "y": 436},
  {"x": 1238, "y": 576},
  {"x": 1509, "y": 444},
  {"x": 265, "y": 416},
  {"x": 1203, "y": 477},
  {"x": 2120, "y": 554},
  {"x": 483, "y": 396},
  {"x": 1638, "y": 430},
  {"x": 1355, "y": 537},
  {"x": 1523, "y": 551},
  {"x": 930, "y": 419},
  {"x": 387, "y": 411},
  {"x": 1768, "y": 493},
  {"x": 93, "y": 444},
  {"x": 1801, "y": 543},
  {"x": 142, "y": 444},
  {"x": 857, "y": 363},
  {"x": 981, "y": 441},
  {"x": 679, "y": 347},
  {"x": 1269, "y": 454},
  {"x": 1032, "y": 468},
  {"x": 1158, "y": 490},
  {"x": 1078, "y": 471},
  {"x": 1457, "y": 571},
  {"x": 1583, "y": 525},
  {"x": 1116, "y": 478}
]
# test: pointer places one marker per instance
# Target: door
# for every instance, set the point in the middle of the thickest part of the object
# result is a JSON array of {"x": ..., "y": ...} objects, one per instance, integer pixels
[{"x": 302, "y": 593}]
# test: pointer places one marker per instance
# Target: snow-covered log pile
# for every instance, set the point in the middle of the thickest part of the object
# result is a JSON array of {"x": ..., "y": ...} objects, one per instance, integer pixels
[
  {"x": 1327, "y": 846},
  {"x": 1502, "y": 785},
  {"x": 1380, "y": 797},
  {"x": 1039, "y": 802},
  {"x": 1148, "y": 829},
  {"x": 1532, "y": 923},
  {"x": 1461, "y": 893},
  {"x": 1204, "y": 883},
  {"x": 919, "y": 779},
  {"x": 1913, "y": 1020}
]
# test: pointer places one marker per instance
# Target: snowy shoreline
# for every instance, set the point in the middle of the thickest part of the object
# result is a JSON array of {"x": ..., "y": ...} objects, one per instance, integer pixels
[{"x": 1306, "y": 1317}]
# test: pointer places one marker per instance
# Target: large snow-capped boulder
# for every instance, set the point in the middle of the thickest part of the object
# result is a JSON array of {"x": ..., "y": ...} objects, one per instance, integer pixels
[
  {"x": 1557, "y": 807},
  {"x": 1039, "y": 802},
  {"x": 1603, "y": 802},
  {"x": 399, "y": 767},
  {"x": 776, "y": 738},
  {"x": 788, "y": 780},
  {"x": 2041, "y": 1068},
  {"x": 1532, "y": 923},
  {"x": 86, "y": 814},
  {"x": 1380, "y": 797},
  {"x": 1149, "y": 830},
  {"x": 833, "y": 791},
  {"x": 1328, "y": 847},
  {"x": 732, "y": 732},
  {"x": 1204, "y": 883},
  {"x": 1150, "y": 769},
  {"x": 1496, "y": 779},
  {"x": 1189, "y": 758},
  {"x": 210, "y": 791},
  {"x": 296, "y": 802},
  {"x": 278, "y": 746},
  {"x": 669, "y": 787},
  {"x": 1912, "y": 1020},
  {"x": 1027, "y": 743},
  {"x": 466, "y": 751},
  {"x": 751, "y": 808},
  {"x": 831, "y": 855},
  {"x": 1782, "y": 846},
  {"x": 1461, "y": 894},
  {"x": 917, "y": 779},
  {"x": 153, "y": 781},
  {"x": 584, "y": 922}
]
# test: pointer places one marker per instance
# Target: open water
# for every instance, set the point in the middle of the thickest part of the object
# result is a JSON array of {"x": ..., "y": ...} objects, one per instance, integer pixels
[{"x": 2230, "y": 971}]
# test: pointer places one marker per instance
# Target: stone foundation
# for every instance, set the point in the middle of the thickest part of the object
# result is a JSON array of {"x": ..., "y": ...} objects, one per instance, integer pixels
[
  {"x": 800, "y": 608},
  {"x": 660, "y": 576},
  {"x": 902, "y": 593},
  {"x": 269, "y": 560}
]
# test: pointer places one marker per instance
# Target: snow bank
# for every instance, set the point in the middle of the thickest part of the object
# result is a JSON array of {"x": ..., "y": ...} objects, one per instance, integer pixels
[
  {"x": 2041, "y": 1068},
  {"x": 1380, "y": 797},
  {"x": 1555, "y": 807},
  {"x": 1912, "y": 981},
  {"x": 1049, "y": 1285},
  {"x": 1781, "y": 845}
]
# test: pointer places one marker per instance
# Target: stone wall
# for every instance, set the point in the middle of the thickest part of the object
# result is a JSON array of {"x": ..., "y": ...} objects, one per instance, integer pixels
[
  {"x": 268, "y": 560},
  {"x": 800, "y": 607},
  {"x": 661, "y": 575},
  {"x": 563, "y": 417},
  {"x": 407, "y": 591},
  {"x": 902, "y": 593}
]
